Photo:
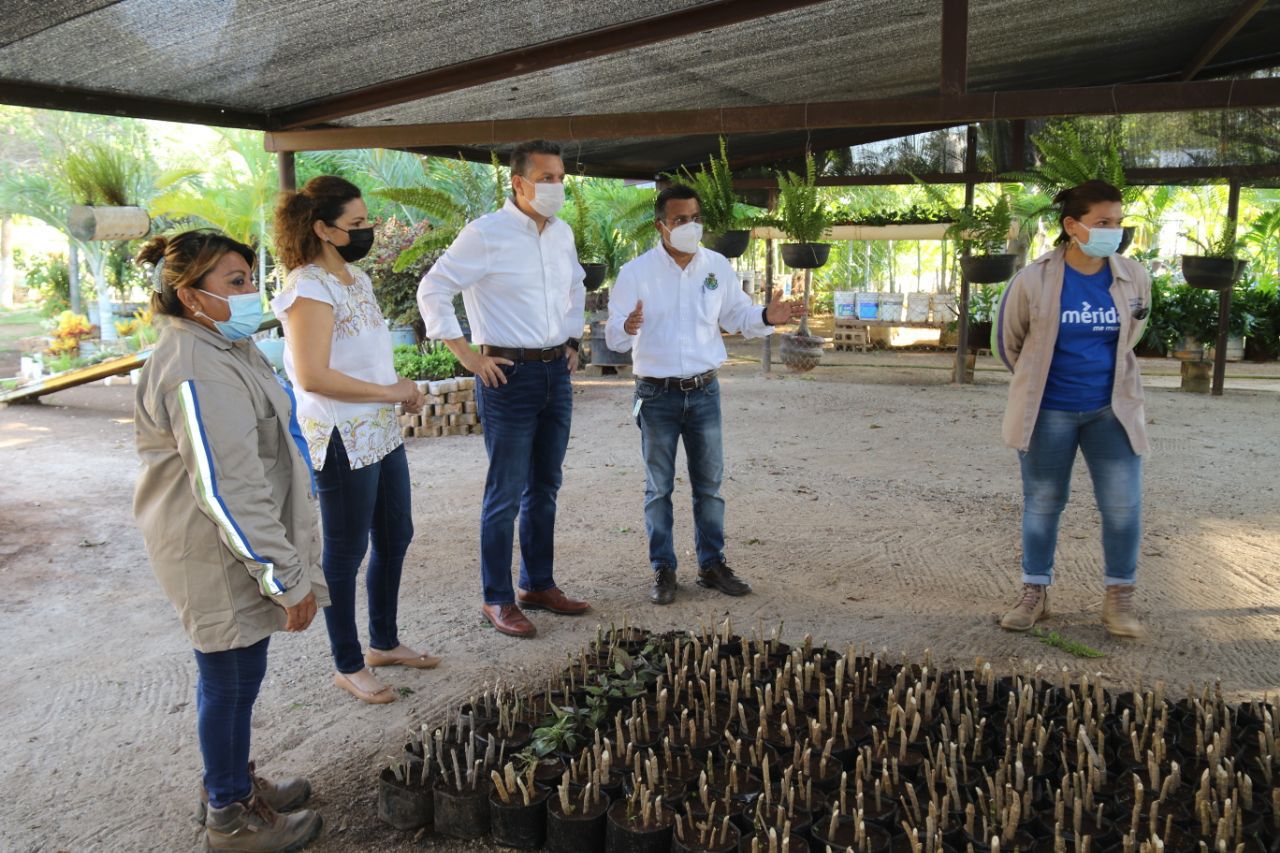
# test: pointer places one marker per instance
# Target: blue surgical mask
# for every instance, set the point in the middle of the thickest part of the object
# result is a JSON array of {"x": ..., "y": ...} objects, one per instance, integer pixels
[
  {"x": 246, "y": 315},
  {"x": 1103, "y": 242}
]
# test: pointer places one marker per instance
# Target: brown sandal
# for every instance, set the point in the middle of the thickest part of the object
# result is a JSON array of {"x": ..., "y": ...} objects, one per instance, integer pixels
[
  {"x": 377, "y": 657},
  {"x": 381, "y": 697}
]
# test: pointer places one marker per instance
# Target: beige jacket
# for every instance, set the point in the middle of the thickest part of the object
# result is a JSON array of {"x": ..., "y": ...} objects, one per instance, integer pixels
[
  {"x": 1026, "y": 330},
  {"x": 224, "y": 499}
]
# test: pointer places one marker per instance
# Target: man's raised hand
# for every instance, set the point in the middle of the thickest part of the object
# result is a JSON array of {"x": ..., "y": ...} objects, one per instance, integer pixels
[{"x": 635, "y": 319}]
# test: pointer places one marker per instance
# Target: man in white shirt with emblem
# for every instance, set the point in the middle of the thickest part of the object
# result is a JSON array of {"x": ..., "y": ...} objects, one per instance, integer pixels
[
  {"x": 668, "y": 306},
  {"x": 518, "y": 272}
]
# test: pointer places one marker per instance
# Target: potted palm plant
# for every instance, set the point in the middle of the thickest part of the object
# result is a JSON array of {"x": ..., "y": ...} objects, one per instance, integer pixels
[
  {"x": 722, "y": 219},
  {"x": 590, "y": 253},
  {"x": 1218, "y": 268}
]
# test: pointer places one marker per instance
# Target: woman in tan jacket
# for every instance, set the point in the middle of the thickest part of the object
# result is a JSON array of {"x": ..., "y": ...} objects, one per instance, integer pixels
[
  {"x": 1066, "y": 326},
  {"x": 224, "y": 502}
]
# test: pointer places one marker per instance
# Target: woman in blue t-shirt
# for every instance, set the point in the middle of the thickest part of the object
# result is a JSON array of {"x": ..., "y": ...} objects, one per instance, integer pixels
[{"x": 1066, "y": 326}]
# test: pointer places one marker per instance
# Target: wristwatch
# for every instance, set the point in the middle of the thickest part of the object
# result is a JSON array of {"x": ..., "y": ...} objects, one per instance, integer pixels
[
  {"x": 576, "y": 343},
  {"x": 764, "y": 315}
]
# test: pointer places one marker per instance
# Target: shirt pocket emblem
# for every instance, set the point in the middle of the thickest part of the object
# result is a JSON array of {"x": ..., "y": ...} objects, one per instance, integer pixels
[{"x": 710, "y": 282}]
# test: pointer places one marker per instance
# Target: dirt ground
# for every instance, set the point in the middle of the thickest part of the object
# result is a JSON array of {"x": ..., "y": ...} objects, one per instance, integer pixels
[{"x": 869, "y": 502}]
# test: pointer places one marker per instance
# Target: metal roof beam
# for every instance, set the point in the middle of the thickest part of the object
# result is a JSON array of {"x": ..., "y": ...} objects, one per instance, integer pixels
[
  {"x": 1234, "y": 23},
  {"x": 1155, "y": 176},
  {"x": 883, "y": 112},
  {"x": 48, "y": 97},
  {"x": 539, "y": 57}
]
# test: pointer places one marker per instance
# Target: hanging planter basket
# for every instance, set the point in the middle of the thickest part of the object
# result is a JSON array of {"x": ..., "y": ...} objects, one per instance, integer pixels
[
  {"x": 731, "y": 244},
  {"x": 1126, "y": 240},
  {"x": 800, "y": 353},
  {"x": 595, "y": 276},
  {"x": 108, "y": 223},
  {"x": 988, "y": 269},
  {"x": 1211, "y": 273},
  {"x": 805, "y": 256}
]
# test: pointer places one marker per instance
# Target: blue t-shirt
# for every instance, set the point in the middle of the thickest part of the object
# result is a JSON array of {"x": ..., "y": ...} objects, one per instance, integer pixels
[{"x": 1084, "y": 358}]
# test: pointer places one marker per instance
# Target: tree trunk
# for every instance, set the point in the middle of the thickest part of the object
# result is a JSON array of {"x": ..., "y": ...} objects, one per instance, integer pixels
[
  {"x": 73, "y": 275},
  {"x": 106, "y": 320},
  {"x": 8, "y": 279}
]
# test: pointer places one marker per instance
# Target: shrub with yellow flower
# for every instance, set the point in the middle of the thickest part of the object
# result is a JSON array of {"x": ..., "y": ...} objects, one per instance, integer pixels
[{"x": 68, "y": 331}]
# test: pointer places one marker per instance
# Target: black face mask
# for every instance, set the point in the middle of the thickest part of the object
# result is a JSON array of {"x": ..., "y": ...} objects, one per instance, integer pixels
[{"x": 359, "y": 244}]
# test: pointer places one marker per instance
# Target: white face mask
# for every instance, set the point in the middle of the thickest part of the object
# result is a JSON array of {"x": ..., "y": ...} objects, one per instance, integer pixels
[
  {"x": 547, "y": 198},
  {"x": 685, "y": 238}
]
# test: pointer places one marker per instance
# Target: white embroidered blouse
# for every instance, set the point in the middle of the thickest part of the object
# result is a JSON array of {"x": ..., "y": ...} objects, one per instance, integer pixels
[{"x": 361, "y": 348}]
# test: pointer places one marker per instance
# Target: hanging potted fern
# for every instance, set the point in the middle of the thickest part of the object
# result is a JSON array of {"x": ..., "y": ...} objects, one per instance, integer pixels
[
  {"x": 980, "y": 236},
  {"x": 585, "y": 236},
  {"x": 1218, "y": 268},
  {"x": 802, "y": 214},
  {"x": 724, "y": 221},
  {"x": 1071, "y": 153}
]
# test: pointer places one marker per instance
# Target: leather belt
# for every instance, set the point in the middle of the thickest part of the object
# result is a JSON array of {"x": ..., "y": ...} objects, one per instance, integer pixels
[
  {"x": 543, "y": 355},
  {"x": 690, "y": 383}
]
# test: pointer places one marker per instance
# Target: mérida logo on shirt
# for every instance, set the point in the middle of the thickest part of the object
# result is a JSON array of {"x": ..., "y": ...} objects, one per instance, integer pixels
[
  {"x": 710, "y": 282},
  {"x": 1090, "y": 316}
]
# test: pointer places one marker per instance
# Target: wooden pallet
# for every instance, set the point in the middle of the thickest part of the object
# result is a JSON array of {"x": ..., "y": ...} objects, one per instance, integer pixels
[{"x": 607, "y": 370}]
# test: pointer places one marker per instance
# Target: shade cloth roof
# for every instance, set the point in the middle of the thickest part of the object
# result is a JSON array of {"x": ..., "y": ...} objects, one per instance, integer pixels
[{"x": 254, "y": 62}]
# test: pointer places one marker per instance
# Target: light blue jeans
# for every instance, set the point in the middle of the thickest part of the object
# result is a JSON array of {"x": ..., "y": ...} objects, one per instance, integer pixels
[{"x": 1116, "y": 472}]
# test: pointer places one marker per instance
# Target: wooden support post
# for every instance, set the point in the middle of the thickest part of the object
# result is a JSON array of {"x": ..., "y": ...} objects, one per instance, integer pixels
[
  {"x": 766, "y": 357},
  {"x": 288, "y": 171},
  {"x": 1018, "y": 150},
  {"x": 962, "y": 331},
  {"x": 1224, "y": 299}
]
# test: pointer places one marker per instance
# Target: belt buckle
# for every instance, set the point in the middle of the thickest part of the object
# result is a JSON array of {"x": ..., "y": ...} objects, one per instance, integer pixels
[
  {"x": 547, "y": 355},
  {"x": 693, "y": 384}
]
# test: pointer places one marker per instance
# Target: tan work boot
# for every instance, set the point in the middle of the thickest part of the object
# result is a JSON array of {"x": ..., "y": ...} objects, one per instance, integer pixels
[
  {"x": 1032, "y": 606},
  {"x": 1117, "y": 612},
  {"x": 286, "y": 795},
  {"x": 254, "y": 827}
]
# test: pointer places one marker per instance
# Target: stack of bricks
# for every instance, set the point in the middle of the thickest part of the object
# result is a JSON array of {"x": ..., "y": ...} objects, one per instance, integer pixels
[{"x": 450, "y": 410}]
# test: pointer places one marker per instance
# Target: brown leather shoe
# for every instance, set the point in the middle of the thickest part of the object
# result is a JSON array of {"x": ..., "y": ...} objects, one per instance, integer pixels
[
  {"x": 509, "y": 620},
  {"x": 554, "y": 600}
]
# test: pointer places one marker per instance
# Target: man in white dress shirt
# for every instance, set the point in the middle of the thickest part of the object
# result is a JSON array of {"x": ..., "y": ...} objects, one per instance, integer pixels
[
  {"x": 518, "y": 272},
  {"x": 668, "y": 306}
]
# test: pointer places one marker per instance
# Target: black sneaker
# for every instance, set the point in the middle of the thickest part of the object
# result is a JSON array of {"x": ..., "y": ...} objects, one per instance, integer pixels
[
  {"x": 664, "y": 586},
  {"x": 719, "y": 576}
]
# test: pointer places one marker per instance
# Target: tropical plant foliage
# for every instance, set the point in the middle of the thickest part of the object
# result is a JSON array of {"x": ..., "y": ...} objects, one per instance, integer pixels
[
  {"x": 722, "y": 210},
  {"x": 802, "y": 210}
]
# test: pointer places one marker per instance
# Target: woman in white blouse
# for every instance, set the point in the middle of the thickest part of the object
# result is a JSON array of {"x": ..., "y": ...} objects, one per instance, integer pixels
[{"x": 340, "y": 361}]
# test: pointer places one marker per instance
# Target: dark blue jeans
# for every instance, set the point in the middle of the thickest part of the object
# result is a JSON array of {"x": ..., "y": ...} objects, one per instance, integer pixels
[
  {"x": 526, "y": 431},
  {"x": 665, "y": 417},
  {"x": 358, "y": 506},
  {"x": 1116, "y": 472},
  {"x": 226, "y": 687}
]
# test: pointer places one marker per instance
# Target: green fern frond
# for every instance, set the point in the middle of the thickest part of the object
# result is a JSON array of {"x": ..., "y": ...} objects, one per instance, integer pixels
[{"x": 433, "y": 241}]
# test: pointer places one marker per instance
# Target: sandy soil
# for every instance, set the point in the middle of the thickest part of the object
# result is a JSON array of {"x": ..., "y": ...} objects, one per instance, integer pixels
[{"x": 869, "y": 502}]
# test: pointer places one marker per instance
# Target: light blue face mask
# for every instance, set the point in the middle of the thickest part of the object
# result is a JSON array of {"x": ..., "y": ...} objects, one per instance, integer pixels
[
  {"x": 246, "y": 315},
  {"x": 1103, "y": 242}
]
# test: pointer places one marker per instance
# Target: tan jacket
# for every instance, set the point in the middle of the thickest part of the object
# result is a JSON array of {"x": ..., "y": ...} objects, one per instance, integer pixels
[
  {"x": 224, "y": 499},
  {"x": 1026, "y": 330}
]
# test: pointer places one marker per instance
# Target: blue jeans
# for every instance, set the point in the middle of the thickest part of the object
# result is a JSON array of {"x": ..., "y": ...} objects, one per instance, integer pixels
[
  {"x": 1116, "y": 472},
  {"x": 526, "y": 431},
  {"x": 358, "y": 506},
  {"x": 665, "y": 417},
  {"x": 226, "y": 687}
]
